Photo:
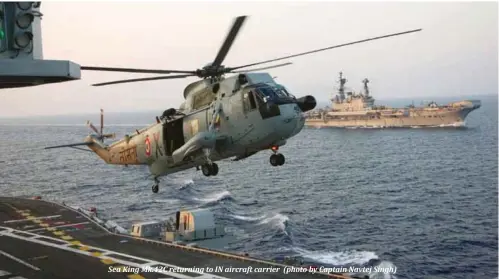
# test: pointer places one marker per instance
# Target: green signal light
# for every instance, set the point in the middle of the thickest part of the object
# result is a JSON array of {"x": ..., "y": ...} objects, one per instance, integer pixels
[{"x": 2, "y": 34}]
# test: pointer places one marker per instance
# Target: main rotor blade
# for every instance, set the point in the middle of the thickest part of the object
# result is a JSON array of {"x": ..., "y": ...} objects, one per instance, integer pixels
[
  {"x": 229, "y": 40},
  {"x": 140, "y": 79},
  {"x": 263, "y": 68},
  {"x": 134, "y": 70},
  {"x": 326, "y": 48}
]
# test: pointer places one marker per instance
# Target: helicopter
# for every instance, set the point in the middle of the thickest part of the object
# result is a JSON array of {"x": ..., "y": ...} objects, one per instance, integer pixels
[{"x": 222, "y": 117}]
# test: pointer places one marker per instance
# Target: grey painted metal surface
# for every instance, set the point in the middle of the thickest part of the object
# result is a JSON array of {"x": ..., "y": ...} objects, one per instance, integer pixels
[{"x": 21, "y": 50}]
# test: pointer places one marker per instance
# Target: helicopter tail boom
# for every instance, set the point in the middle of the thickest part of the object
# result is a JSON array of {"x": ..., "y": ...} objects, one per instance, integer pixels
[
  {"x": 71, "y": 145},
  {"x": 91, "y": 142}
]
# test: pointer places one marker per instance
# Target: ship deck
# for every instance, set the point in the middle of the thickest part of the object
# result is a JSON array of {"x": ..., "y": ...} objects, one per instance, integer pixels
[{"x": 40, "y": 239}]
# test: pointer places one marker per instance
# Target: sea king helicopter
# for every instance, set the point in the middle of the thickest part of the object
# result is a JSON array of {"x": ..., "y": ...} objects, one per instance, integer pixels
[{"x": 221, "y": 117}]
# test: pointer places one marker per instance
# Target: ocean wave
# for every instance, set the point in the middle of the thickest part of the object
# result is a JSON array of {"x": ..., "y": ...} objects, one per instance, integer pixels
[
  {"x": 187, "y": 183},
  {"x": 169, "y": 201},
  {"x": 279, "y": 220},
  {"x": 340, "y": 258},
  {"x": 215, "y": 198},
  {"x": 249, "y": 218}
]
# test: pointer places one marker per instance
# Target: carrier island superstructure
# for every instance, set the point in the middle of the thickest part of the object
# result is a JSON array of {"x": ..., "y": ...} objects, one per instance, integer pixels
[{"x": 350, "y": 109}]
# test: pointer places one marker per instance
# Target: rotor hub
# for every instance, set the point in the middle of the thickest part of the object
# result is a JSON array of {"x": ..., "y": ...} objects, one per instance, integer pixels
[{"x": 211, "y": 71}]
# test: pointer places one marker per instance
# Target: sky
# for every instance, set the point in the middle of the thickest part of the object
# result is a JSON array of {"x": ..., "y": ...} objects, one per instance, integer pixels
[{"x": 456, "y": 54}]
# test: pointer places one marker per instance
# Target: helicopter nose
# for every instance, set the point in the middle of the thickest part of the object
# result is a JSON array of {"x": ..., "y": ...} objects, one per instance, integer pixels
[
  {"x": 306, "y": 103},
  {"x": 291, "y": 121}
]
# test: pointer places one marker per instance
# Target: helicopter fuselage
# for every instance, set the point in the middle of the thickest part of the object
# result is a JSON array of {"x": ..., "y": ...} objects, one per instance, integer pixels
[
  {"x": 258, "y": 115},
  {"x": 250, "y": 135}
]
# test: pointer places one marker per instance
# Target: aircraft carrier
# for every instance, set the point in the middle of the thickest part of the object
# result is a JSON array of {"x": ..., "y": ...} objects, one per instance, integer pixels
[
  {"x": 41, "y": 239},
  {"x": 354, "y": 110}
]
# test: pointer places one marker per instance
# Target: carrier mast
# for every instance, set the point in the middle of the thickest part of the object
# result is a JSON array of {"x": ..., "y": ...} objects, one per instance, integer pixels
[
  {"x": 366, "y": 88},
  {"x": 342, "y": 87}
]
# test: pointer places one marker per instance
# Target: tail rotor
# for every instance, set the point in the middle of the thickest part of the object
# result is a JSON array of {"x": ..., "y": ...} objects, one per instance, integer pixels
[{"x": 100, "y": 134}]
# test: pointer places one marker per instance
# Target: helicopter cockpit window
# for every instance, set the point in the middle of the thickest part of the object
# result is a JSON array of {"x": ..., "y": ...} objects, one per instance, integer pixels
[
  {"x": 266, "y": 91},
  {"x": 249, "y": 101},
  {"x": 280, "y": 93},
  {"x": 251, "y": 98},
  {"x": 277, "y": 94},
  {"x": 202, "y": 99},
  {"x": 285, "y": 92}
]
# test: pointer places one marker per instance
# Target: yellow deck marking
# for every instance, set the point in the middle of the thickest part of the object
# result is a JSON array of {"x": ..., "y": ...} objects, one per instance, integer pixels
[
  {"x": 135, "y": 276},
  {"x": 84, "y": 248},
  {"x": 75, "y": 242},
  {"x": 107, "y": 261}
]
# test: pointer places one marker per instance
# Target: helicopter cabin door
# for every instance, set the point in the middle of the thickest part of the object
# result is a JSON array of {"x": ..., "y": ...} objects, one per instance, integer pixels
[{"x": 173, "y": 132}]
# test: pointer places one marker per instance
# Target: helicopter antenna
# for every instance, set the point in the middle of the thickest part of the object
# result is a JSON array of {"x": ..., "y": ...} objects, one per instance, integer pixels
[
  {"x": 215, "y": 70},
  {"x": 101, "y": 121}
]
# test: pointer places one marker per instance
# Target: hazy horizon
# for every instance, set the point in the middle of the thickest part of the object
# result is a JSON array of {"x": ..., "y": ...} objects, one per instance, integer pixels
[
  {"x": 149, "y": 114},
  {"x": 455, "y": 55}
]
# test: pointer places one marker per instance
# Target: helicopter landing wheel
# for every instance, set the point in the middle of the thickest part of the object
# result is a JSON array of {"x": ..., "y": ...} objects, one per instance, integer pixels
[
  {"x": 280, "y": 159},
  {"x": 277, "y": 160},
  {"x": 214, "y": 169},
  {"x": 155, "y": 188},
  {"x": 209, "y": 170},
  {"x": 206, "y": 170},
  {"x": 273, "y": 160}
]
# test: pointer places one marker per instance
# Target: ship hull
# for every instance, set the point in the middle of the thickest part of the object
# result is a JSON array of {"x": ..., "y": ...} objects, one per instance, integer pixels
[{"x": 433, "y": 119}]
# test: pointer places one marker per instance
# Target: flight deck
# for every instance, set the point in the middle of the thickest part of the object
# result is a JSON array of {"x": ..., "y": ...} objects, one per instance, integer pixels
[{"x": 41, "y": 239}]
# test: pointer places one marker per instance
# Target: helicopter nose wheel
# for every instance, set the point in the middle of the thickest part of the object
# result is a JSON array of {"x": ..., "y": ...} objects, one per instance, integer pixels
[
  {"x": 210, "y": 170},
  {"x": 277, "y": 159},
  {"x": 155, "y": 187}
]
